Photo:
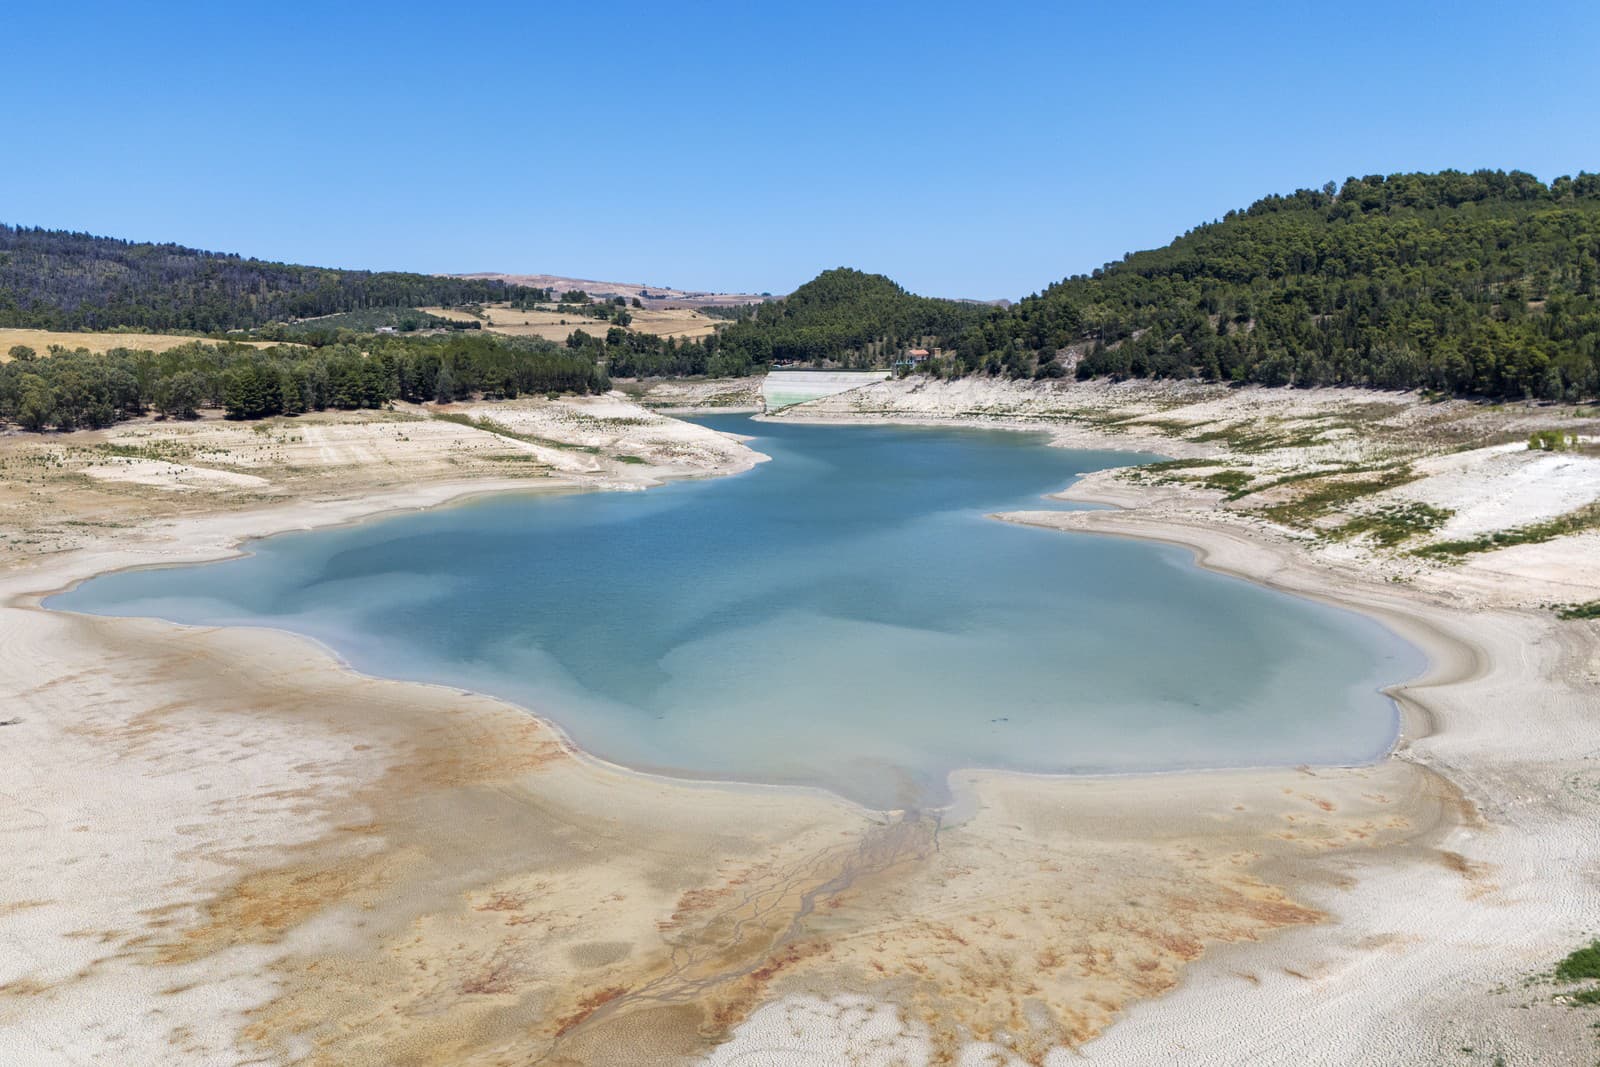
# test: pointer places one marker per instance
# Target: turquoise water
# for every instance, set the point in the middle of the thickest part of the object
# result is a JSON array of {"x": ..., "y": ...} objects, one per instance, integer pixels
[{"x": 843, "y": 616}]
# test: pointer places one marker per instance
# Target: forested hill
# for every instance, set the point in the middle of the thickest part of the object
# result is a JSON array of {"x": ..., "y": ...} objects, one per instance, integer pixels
[
  {"x": 845, "y": 316},
  {"x": 57, "y": 280},
  {"x": 1482, "y": 283}
]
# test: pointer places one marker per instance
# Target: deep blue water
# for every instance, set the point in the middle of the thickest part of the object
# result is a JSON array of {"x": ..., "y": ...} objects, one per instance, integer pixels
[{"x": 843, "y": 616}]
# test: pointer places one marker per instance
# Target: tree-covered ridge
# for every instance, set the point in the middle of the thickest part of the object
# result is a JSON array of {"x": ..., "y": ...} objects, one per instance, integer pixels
[
  {"x": 1482, "y": 283},
  {"x": 71, "y": 389},
  {"x": 844, "y": 316},
  {"x": 57, "y": 280},
  {"x": 1485, "y": 283}
]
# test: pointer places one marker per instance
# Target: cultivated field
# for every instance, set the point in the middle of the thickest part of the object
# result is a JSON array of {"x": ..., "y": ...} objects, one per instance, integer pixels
[
  {"x": 555, "y": 326},
  {"x": 650, "y": 294},
  {"x": 41, "y": 340}
]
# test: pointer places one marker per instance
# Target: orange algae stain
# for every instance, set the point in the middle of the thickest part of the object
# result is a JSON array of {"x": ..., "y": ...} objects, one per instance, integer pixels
[
  {"x": 587, "y": 1007},
  {"x": 263, "y": 906}
]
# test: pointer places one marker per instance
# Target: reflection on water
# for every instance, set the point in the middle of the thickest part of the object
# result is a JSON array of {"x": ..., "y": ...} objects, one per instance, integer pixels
[{"x": 843, "y": 616}]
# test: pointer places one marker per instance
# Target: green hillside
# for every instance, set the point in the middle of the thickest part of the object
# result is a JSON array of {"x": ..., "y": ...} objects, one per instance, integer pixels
[
  {"x": 846, "y": 316},
  {"x": 841, "y": 317},
  {"x": 1482, "y": 283},
  {"x": 57, "y": 280}
]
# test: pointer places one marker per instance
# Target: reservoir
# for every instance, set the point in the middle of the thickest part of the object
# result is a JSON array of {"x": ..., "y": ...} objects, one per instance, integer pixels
[{"x": 844, "y": 616}]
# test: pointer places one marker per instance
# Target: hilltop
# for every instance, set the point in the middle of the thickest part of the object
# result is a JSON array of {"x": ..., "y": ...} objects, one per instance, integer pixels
[{"x": 849, "y": 317}]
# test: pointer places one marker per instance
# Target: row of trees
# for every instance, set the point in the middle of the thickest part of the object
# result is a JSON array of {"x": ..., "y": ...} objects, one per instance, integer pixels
[
  {"x": 331, "y": 329},
  {"x": 613, "y": 310},
  {"x": 72, "y": 389},
  {"x": 642, "y": 355}
]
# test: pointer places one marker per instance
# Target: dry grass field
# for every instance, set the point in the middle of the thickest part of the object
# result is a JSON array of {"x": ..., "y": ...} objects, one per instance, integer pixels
[
  {"x": 40, "y": 340},
  {"x": 661, "y": 294},
  {"x": 555, "y": 326}
]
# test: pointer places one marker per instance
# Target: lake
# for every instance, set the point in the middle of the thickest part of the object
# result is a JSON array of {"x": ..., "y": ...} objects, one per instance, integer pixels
[{"x": 843, "y": 617}]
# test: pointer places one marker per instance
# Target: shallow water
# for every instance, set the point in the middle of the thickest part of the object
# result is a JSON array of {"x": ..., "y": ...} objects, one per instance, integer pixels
[{"x": 843, "y": 616}]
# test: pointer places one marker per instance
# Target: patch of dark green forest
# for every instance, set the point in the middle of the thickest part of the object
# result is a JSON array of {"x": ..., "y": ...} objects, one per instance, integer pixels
[
  {"x": 841, "y": 318},
  {"x": 69, "y": 389},
  {"x": 57, "y": 280},
  {"x": 329, "y": 329},
  {"x": 1481, "y": 284},
  {"x": 1473, "y": 284}
]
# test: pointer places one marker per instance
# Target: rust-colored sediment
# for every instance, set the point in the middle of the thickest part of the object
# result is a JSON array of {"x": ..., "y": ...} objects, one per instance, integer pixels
[{"x": 490, "y": 898}]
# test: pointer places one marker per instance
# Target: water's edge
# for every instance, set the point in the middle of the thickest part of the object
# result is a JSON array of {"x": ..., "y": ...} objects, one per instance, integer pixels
[{"x": 470, "y": 495}]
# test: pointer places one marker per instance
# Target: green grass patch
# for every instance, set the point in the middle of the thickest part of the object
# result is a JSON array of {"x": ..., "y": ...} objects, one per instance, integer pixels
[
  {"x": 631, "y": 459},
  {"x": 1228, "y": 481},
  {"x": 1381, "y": 469},
  {"x": 502, "y": 430},
  {"x": 1585, "y": 518},
  {"x": 1290, "y": 479},
  {"x": 1552, "y": 441},
  {"x": 370, "y": 320},
  {"x": 1581, "y": 965},
  {"x": 1254, "y": 438},
  {"x": 1591, "y": 610},
  {"x": 1247, "y": 441},
  {"x": 1170, "y": 427},
  {"x": 170, "y": 451},
  {"x": 1324, "y": 499},
  {"x": 1392, "y": 525}
]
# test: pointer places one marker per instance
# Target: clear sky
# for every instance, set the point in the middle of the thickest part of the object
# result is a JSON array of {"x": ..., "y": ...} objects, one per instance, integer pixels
[{"x": 978, "y": 150}]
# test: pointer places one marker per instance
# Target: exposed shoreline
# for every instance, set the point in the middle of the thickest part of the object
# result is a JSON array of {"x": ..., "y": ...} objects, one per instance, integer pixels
[
  {"x": 1461, "y": 656},
  {"x": 441, "y": 496},
  {"x": 1467, "y": 649},
  {"x": 448, "y": 495},
  {"x": 1451, "y": 660}
]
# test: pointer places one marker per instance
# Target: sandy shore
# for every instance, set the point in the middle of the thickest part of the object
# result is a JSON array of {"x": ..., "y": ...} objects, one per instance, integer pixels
[
  {"x": 1428, "y": 948},
  {"x": 1437, "y": 951},
  {"x": 233, "y": 850}
]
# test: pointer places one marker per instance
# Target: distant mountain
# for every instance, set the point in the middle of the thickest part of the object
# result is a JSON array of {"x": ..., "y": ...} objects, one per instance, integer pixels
[
  {"x": 651, "y": 295},
  {"x": 58, "y": 280}
]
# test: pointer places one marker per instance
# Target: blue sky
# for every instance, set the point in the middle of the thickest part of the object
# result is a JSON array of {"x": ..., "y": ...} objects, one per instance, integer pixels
[{"x": 962, "y": 149}]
